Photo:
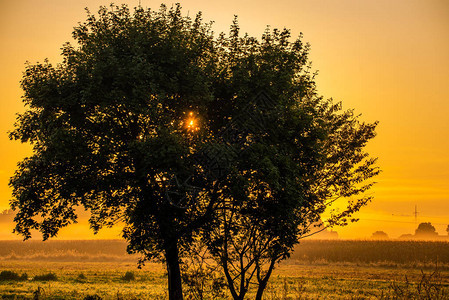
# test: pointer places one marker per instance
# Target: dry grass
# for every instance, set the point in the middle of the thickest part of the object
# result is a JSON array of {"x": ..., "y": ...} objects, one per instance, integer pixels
[
  {"x": 289, "y": 281},
  {"x": 88, "y": 271},
  {"x": 416, "y": 254},
  {"x": 107, "y": 280}
]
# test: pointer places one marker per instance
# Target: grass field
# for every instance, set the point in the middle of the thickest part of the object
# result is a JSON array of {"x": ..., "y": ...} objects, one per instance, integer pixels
[
  {"x": 318, "y": 278},
  {"x": 77, "y": 280},
  {"x": 290, "y": 281}
]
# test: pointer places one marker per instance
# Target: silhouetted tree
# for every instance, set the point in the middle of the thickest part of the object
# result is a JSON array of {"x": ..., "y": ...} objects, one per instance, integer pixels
[
  {"x": 305, "y": 154},
  {"x": 7, "y": 212},
  {"x": 7, "y": 215},
  {"x": 425, "y": 229},
  {"x": 379, "y": 235},
  {"x": 108, "y": 129},
  {"x": 153, "y": 122},
  {"x": 447, "y": 229}
]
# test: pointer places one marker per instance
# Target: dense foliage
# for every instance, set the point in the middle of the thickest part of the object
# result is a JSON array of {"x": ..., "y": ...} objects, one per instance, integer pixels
[
  {"x": 153, "y": 122},
  {"x": 425, "y": 229}
]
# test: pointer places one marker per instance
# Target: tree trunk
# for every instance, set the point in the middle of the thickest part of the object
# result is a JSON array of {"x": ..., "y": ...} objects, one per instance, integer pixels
[
  {"x": 264, "y": 281},
  {"x": 229, "y": 278},
  {"x": 174, "y": 273},
  {"x": 261, "y": 289}
]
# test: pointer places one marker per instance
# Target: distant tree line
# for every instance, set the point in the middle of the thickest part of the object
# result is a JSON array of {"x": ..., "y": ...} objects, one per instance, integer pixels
[{"x": 424, "y": 230}]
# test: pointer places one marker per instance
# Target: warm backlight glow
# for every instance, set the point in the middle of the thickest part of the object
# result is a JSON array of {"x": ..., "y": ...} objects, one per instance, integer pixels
[
  {"x": 386, "y": 59},
  {"x": 192, "y": 123}
]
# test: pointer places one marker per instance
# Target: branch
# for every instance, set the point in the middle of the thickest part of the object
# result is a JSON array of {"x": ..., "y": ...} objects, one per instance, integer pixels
[{"x": 316, "y": 232}]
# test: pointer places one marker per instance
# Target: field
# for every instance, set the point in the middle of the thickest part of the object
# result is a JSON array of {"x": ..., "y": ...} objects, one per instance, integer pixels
[{"x": 317, "y": 270}]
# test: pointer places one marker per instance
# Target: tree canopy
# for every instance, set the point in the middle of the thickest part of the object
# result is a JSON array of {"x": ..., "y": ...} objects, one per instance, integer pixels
[
  {"x": 379, "y": 235},
  {"x": 152, "y": 121},
  {"x": 425, "y": 229}
]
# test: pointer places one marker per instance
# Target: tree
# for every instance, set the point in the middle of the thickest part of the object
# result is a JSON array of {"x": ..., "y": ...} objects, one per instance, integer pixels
[
  {"x": 110, "y": 132},
  {"x": 447, "y": 229},
  {"x": 296, "y": 155},
  {"x": 153, "y": 122},
  {"x": 379, "y": 235},
  {"x": 425, "y": 229}
]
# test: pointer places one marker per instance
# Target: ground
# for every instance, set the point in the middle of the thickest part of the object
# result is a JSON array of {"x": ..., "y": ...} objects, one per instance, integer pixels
[
  {"x": 336, "y": 269},
  {"x": 291, "y": 280}
]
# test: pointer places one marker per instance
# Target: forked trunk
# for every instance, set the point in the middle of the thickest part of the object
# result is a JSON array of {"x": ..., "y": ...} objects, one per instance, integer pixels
[
  {"x": 264, "y": 281},
  {"x": 260, "y": 290},
  {"x": 174, "y": 273}
]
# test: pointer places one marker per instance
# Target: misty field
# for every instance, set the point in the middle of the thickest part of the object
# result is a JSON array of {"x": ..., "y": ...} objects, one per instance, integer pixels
[{"x": 317, "y": 270}]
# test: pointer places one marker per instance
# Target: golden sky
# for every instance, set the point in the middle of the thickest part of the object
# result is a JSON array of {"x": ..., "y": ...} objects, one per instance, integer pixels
[{"x": 387, "y": 59}]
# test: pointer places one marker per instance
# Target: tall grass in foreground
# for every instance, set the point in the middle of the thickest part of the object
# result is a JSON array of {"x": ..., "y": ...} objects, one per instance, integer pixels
[{"x": 429, "y": 287}]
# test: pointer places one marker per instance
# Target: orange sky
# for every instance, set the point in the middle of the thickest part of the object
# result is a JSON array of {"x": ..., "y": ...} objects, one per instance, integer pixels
[{"x": 387, "y": 59}]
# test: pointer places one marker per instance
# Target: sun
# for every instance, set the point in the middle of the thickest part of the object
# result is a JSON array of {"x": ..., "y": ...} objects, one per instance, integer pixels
[{"x": 192, "y": 123}]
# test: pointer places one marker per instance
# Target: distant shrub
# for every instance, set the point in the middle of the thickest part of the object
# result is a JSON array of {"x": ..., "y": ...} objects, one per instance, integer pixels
[
  {"x": 46, "y": 277},
  {"x": 10, "y": 275},
  {"x": 92, "y": 297},
  {"x": 81, "y": 276},
  {"x": 129, "y": 276}
]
